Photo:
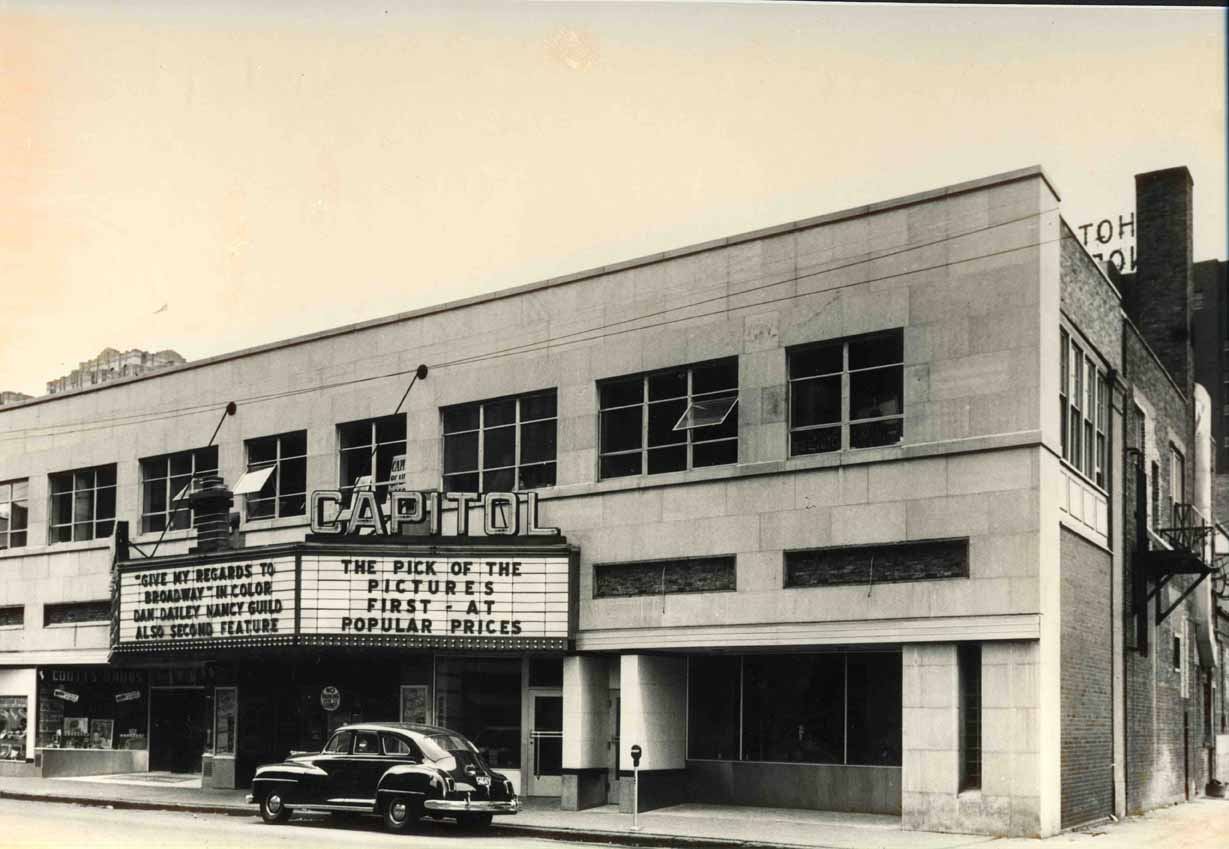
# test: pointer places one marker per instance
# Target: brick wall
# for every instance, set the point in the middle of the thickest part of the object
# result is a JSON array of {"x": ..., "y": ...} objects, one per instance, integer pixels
[
  {"x": 1087, "y": 666},
  {"x": 1164, "y": 730},
  {"x": 1089, "y": 301}
]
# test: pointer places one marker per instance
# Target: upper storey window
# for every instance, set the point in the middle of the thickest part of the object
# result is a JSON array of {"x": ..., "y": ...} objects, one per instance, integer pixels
[
  {"x": 501, "y": 445},
  {"x": 281, "y": 462},
  {"x": 165, "y": 483},
  {"x": 82, "y": 504},
  {"x": 667, "y": 421},
  {"x": 368, "y": 442},
  {"x": 1084, "y": 399},
  {"x": 14, "y": 513},
  {"x": 847, "y": 393}
]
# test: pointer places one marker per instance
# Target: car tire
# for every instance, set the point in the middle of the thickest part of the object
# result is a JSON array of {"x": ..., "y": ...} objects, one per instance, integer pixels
[
  {"x": 474, "y": 821},
  {"x": 272, "y": 809},
  {"x": 400, "y": 814}
]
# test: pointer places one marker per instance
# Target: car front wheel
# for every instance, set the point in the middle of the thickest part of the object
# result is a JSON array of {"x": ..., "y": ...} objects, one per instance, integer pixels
[
  {"x": 474, "y": 820},
  {"x": 400, "y": 814},
  {"x": 273, "y": 809}
]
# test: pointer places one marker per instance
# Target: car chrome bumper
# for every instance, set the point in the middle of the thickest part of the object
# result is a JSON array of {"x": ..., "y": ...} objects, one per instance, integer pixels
[{"x": 479, "y": 807}]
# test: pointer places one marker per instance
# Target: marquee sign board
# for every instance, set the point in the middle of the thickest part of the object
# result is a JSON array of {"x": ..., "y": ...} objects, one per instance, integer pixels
[
  {"x": 474, "y": 596},
  {"x": 478, "y": 596},
  {"x": 242, "y": 602}
]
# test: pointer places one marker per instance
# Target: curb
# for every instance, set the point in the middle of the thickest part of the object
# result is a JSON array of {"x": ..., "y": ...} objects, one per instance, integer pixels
[{"x": 574, "y": 835}]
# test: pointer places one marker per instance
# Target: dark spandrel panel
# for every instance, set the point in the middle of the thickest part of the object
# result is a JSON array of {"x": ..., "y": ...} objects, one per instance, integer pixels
[
  {"x": 817, "y": 441},
  {"x": 461, "y": 418},
  {"x": 714, "y": 377},
  {"x": 538, "y": 441},
  {"x": 670, "y": 384},
  {"x": 701, "y": 575},
  {"x": 533, "y": 477},
  {"x": 714, "y": 453},
  {"x": 616, "y": 393},
  {"x": 615, "y": 580},
  {"x": 667, "y": 459},
  {"x": 621, "y": 429},
  {"x": 541, "y": 406},
  {"x": 77, "y": 612},
  {"x": 697, "y": 575},
  {"x": 815, "y": 401},
  {"x": 874, "y": 709},
  {"x": 621, "y": 465},
  {"x": 870, "y": 434},
  {"x": 915, "y": 561},
  {"x": 821, "y": 359},
  {"x": 12, "y": 616},
  {"x": 877, "y": 350}
]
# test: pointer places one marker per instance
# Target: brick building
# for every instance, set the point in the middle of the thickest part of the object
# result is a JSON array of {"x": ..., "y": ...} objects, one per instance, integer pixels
[
  {"x": 793, "y": 510},
  {"x": 111, "y": 364},
  {"x": 1210, "y": 334}
]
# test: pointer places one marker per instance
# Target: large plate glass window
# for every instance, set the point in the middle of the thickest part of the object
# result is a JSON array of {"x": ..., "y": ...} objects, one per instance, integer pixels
[
  {"x": 847, "y": 393},
  {"x": 668, "y": 421},
  {"x": 165, "y": 484},
  {"x": 14, "y": 513},
  {"x": 360, "y": 443},
  {"x": 501, "y": 445},
  {"x": 82, "y": 504},
  {"x": 284, "y": 492}
]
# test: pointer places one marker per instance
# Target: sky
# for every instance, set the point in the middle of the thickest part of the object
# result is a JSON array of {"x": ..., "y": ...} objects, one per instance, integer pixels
[{"x": 211, "y": 176}]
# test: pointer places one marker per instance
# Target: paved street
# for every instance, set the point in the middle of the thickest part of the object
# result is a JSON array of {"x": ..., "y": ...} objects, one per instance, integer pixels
[
  {"x": 38, "y": 825},
  {"x": 1202, "y": 824}
]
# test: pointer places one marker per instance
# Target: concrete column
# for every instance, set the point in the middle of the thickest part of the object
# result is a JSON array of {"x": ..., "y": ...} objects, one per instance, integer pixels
[
  {"x": 653, "y": 715},
  {"x": 586, "y": 731},
  {"x": 930, "y": 737}
]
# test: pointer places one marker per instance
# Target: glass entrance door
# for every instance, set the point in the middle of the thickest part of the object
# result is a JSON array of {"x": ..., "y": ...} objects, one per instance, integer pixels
[{"x": 545, "y": 745}]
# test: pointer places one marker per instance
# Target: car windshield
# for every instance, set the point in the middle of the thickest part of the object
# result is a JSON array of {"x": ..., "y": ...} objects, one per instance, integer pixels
[{"x": 437, "y": 747}]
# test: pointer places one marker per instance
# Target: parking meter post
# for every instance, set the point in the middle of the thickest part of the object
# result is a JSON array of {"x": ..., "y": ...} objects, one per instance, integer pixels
[{"x": 636, "y": 752}]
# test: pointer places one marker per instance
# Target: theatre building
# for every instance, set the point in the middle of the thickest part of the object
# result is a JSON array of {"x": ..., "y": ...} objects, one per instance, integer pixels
[{"x": 795, "y": 511}]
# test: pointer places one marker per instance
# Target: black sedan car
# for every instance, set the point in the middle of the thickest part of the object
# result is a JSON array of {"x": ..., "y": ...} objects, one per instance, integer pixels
[{"x": 398, "y": 771}]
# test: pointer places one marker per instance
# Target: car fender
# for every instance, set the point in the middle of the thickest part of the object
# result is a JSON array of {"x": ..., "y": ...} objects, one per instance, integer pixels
[{"x": 414, "y": 779}]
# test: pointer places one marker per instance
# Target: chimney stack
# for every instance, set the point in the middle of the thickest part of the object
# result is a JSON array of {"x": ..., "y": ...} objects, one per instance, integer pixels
[
  {"x": 1163, "y": 287},
  {"x": 211, "y": 501}
]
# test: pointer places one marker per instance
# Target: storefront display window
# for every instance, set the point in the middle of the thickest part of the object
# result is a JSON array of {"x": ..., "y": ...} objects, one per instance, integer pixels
[
  {"x": 92, "y": 708},
  {"x": 225, "y": 716},
  {"x": 481, "y": 698},
  {"x": 832, "y": 708},
  {"x": 14, "y": 714}
]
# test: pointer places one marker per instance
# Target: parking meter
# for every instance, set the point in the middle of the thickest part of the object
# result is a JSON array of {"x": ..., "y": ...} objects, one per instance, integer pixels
[{"x": 636, "y": 752}]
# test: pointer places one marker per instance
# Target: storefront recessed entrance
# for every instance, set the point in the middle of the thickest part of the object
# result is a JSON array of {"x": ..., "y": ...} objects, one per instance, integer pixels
[{"x": 178, "y": 718}]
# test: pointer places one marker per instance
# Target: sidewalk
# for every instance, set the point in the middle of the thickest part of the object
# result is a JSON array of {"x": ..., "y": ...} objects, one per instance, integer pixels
[{"x": 1204, "y": 823}]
